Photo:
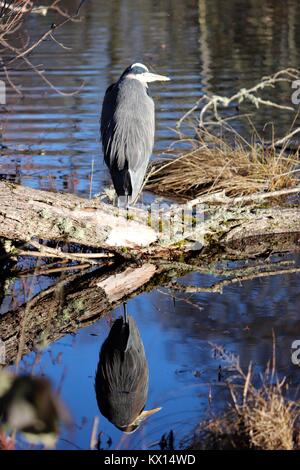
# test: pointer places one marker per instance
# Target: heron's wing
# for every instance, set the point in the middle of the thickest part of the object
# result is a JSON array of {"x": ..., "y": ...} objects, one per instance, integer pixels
[
  {"x": 122, "y": 358},
  {"x": 107, "y": 119},
  {"x": 134, "y": 132},
  {"x": 122, "y": 383}
]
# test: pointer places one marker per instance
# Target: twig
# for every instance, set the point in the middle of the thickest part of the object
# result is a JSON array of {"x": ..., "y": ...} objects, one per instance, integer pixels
[
  {"x": 221, "y": 198},
  {"x": 45, "y": 251},
  {"x": 93, "y": 439},
  {"x": 287, "y": 137},
  {"x": 218, "y": 286},
  {"x": 21, "y": 54},
  {"x": 46, "y": 272}
]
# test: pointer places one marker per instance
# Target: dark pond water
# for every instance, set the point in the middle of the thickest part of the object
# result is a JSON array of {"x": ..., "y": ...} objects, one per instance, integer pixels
[{"x": 52, "y": 141}]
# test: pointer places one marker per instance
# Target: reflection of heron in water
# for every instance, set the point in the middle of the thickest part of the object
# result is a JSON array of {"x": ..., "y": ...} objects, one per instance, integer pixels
[{"x": 122, "y": 376}]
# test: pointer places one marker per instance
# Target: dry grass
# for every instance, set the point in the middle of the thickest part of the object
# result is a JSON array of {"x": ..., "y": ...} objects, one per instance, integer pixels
[
  {"x": 215, "y": 165},
  {"x": 259, "y": 417}
]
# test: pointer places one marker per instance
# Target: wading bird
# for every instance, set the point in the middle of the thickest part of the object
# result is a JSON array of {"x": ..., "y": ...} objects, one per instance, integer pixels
[
  {"x": 122, "y": 376},
  {"x": 127, "y": 130}
]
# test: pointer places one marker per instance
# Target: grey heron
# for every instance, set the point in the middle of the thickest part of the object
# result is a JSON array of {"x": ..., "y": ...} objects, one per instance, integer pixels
[
  {"x": 127, "y": 130},
  {"x": 122, "y": 376}
]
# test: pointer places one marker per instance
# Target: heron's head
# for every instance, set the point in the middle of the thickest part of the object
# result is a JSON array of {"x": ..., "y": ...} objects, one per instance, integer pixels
[
  {"x": 130, "y": 428},
  {"x": 141, "y": 73}
]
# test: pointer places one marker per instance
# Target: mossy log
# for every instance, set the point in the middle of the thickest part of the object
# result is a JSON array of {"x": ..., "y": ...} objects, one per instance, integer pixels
[{"x": 32, "y": 216}]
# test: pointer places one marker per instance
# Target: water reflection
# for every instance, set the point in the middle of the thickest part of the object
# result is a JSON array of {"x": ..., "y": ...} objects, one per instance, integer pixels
[
  {"x": 50, "y": 141},
  {"x": 122, "y": 377}
]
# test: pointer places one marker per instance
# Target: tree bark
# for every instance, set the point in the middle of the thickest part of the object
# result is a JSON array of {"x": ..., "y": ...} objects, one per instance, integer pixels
[{"x": 28, "y": 215}]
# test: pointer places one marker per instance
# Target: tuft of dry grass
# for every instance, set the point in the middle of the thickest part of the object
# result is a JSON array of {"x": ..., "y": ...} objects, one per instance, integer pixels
[
  {"x": 269, "y": 419},
  {"x": 215, "y": 165},
  {"x": 260, "y": 417}
]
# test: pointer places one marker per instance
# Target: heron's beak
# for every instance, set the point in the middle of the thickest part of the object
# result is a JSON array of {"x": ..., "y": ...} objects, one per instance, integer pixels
[
  {"x": 145, "y": 414},
  {"x": 137, "y": 422},
  {"x": 153, "y": 77}
]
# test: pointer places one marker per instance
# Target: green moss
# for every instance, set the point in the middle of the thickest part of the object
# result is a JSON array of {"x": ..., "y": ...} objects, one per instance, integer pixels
[
  {"x": 45, "y": 214},
  {"x": 9, "y": 247},
  {"x": 75, "y": 306},
  {"x": 42, "y": 340},
  {"x": 66, "y": 227},
  {"x": 79, "y": 233},
  {"x": 180, "y": 243}
]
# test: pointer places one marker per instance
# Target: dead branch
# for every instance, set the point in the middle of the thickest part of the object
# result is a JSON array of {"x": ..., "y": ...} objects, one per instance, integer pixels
[
  {"x": 249, "y": 94},
  {"x": 221, "y": 198},
  {"x": 14, "y": 20}
]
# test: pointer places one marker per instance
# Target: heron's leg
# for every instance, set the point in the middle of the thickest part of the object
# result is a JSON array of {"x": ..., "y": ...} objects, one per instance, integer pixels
[
  {"x": 125, "y": 311},
  {"x": 123, "y": 201}
]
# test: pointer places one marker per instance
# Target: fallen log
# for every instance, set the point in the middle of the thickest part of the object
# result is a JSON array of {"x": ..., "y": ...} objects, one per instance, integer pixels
[
  {"x": 27, "y": 214},
  {"x": 36, "y": 217}
]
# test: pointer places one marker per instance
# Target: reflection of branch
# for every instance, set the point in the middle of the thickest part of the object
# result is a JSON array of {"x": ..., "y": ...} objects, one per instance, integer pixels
[
  {"x": 211, "y": 269},
  {"x": 61, "y": 269},
  {"x": 218, "y": 286}
]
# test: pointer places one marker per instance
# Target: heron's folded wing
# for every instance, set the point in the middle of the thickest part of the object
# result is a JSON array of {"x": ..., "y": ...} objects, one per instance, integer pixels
[{"x": 107, "y": 123}]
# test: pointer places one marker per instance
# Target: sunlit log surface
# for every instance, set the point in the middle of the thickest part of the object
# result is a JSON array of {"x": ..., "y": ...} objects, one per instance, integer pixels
[{"x": 28, "y": 214}]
